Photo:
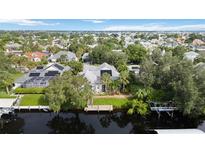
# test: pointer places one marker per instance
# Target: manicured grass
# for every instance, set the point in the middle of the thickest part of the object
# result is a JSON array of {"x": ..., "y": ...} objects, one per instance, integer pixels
[
  {"x": 5, "y": 95},
  {"x": 116, "y": 102},
  {"x": 17, "y": 75},
  {"x": 29, "y": 90},
  {"x": 33, "y": 100}
]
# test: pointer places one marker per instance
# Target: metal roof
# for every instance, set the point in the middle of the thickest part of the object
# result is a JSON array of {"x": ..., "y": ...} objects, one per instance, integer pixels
[{"x": 179, "y": 131}]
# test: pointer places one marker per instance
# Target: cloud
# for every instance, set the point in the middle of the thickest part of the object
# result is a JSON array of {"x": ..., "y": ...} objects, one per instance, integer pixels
[
  {"x": 156, "y": 27},
  {"x": 94, "y": 21},
  {"x": 27, "y": 22}
]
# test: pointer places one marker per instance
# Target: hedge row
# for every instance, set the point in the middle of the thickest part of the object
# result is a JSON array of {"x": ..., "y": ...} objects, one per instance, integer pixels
[{"x": 29, "y": 90}]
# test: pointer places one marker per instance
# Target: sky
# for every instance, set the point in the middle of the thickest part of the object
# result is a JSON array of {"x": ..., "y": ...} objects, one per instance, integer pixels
[{"x": 104, "y": 25}]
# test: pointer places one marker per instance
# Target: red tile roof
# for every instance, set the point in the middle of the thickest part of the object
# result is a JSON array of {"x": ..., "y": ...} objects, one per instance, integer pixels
[{"x": 37, "y": 54}]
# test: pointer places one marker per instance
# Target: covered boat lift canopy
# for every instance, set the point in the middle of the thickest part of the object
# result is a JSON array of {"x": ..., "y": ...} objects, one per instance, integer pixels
[{"x": 179, "y": 131}]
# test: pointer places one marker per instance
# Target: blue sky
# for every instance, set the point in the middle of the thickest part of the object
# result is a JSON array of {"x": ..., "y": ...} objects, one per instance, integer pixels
[{"x": 101, "y": 25}]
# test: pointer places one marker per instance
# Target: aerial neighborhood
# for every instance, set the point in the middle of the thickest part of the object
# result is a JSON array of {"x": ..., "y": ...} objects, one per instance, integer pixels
[{"x": 127, "y": 70}]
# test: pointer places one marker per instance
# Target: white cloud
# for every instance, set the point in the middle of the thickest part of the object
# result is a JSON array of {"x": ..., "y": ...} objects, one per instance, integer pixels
[
  {"x": 156, "y": 27},
  {"x": 27, "y": 22},
  {"x": 94, "y": 21}
]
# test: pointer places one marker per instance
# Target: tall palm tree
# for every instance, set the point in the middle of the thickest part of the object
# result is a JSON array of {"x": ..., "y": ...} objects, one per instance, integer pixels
[
  {"x": 106, "y": 80},
  {"x": 124, "y": 79},
  {"x": 6, "y": 80}
]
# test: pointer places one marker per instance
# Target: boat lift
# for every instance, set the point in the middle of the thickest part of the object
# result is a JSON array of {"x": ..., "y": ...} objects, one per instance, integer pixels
[{"x": 154, "y": 106}]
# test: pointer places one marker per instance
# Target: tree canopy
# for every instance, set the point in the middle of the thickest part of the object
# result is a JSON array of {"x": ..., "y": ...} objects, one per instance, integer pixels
[
  {"x": 136, "y": 53},
  {"x": 102, "y": 53},
  {"x": 177, "y": 79},
  {"x": 67, "y": 92}
]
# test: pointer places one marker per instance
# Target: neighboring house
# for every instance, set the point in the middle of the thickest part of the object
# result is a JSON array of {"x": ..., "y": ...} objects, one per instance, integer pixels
[
  {"x": 56, "y": 42},
  {"x": 115, "y": 50},
  {"x": 200, "y": 49},
  {"x": 40, "y": 76},
  {"x": 14, "y": 52},
  {"x": 200, "y": 66},
  {"x": 94, "y": 74},
  {"x": 13, "y": 46},
  {"x": 69, "y": 56},
  {"x": 190, "y": 55},
  {"x": 93, "y": 45},
  {"x": 134, "y": 68},
  {"x": 86, "y": 58},
  {"x": 35, "y": 56},
  {"x": 197, "y": 42}
]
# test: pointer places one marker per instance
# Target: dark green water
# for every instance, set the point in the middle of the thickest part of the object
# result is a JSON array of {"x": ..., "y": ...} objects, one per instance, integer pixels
[{"x": 99, "y": 123}]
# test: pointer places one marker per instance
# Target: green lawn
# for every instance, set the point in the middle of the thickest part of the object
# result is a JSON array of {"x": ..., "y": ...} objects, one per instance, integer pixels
[
  {"x": 17, "y": 75},
  {"x": 5, "y": 95},
  {"x": 33, "y": 100},
  {"x": 116, "y": 102}
]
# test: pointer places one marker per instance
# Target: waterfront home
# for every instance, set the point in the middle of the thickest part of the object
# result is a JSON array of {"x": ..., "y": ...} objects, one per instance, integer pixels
[
  {"x": 94, "y": 74},
  {"x": 35, "y": 56},
  {"x": 190, "y": 55},
  {"x": 70, "y": 56},
  {"x": 40, "y": 76}
]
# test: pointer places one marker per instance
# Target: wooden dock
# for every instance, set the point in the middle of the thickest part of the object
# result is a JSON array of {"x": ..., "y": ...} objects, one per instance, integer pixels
[
  {"x": 98, "y": 108},
  {"x": 44, "y": 108}
]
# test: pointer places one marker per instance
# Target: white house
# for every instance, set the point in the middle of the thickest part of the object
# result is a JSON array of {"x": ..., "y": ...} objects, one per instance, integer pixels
[
  {"x": 69, "y": 55},
  {"x": 94, "y": 74},
  {"x": 190, "y": 55}
]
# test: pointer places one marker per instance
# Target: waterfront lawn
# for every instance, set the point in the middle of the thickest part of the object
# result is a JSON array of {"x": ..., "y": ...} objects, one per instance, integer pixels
[
  {"x": 5, "y": 95},
  {"x": 33, "y": 100},
  {"x": 117, "y": 103}
]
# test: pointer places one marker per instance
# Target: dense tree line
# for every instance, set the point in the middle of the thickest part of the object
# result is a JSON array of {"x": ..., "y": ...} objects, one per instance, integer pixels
[
  {"x": 102, "y": 53},
  {"x": 176, "y": 80},
  {"x": 136, "y": 53}
]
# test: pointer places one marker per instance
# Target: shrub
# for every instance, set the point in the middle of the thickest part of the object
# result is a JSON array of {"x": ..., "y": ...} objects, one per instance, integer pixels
[
  {"x": 29, "y": 90},
  {"x": 138, "y": 107},
  {"x": 157, "y": 95}
]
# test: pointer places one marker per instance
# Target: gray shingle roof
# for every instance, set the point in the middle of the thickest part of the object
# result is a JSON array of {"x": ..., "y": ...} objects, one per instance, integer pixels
[
  {"x": 55, "y": 67},
  {"x": 93, "y": 73},
  {"x": 70, "y": 55}
]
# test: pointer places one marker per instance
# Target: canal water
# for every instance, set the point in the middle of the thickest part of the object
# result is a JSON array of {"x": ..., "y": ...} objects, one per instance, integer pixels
[{"x": 89, "y": 123}]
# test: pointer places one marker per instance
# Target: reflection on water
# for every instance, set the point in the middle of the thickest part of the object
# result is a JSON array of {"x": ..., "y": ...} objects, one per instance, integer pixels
[
  {"x": 71, "y": 125},
  {"x": 89, "y": 123}
]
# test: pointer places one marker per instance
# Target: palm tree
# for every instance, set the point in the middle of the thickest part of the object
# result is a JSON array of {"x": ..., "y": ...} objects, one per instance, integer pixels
[
  {"x": 124, "y": 79},
  {"x": 63, "y": 58},
  {"x": 106, "y": 80},
  {"x": 114, "y": 86},
  {"x": 6, "y": 80},
  {"x": 142, "y": 94}
]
